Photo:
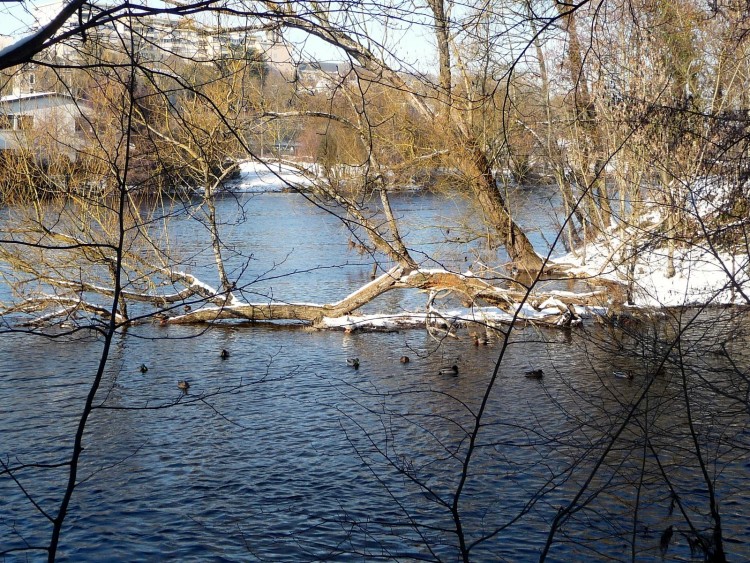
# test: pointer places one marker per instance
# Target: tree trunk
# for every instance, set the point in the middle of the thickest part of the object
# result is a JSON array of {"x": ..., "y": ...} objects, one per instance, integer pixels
[
  {"x": 405, "y": 258},
  {"x": 487, "y": 195},
  {"x": 226, "y": 285},
  {"x": 477, "y": 166},
  {"x": 442, "y": 36},
  {"x": 591, "y": 165}
]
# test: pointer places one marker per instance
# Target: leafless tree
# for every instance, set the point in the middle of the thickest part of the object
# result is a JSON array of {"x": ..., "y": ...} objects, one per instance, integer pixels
[{"x": 611, "y": 96}]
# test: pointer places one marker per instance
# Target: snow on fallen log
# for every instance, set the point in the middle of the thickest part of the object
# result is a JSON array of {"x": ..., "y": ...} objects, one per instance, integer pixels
[
  {"x": 488, "y": 316},
  {"x": 499, "y": 306},
  {"x": 67, "y": 306},
  {"x": 377, "y": 321},
  {"x": 340, "y": 314}
]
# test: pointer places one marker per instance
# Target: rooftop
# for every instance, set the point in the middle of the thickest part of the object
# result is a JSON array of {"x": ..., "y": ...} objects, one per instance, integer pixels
[{"x": 16, "y": 97}]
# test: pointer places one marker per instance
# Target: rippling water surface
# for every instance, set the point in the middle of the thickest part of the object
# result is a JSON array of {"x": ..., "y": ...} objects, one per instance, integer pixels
[{"x": 282, "y": 452}]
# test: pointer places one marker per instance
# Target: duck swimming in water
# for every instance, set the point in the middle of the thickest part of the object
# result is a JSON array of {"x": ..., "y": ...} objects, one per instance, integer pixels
[
  {"x": 404, "y": 359},
  {"x": 353, "y": 362},
  {"x": 143, "y": 368},
  {"x": 183, "y": 384},
  {"x": 534, "y": 374},
  {"x": 480, "y": 340},
  {"x": 224, "y": 354},
  {"x": 453, "y": 370},
  {"x": 623, "y": 374}
]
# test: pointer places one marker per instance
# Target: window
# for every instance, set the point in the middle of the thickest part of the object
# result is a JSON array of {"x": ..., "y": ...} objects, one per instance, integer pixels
[
  {"x": 6, "y": 121},
  {"x": 24, "y": 122}
]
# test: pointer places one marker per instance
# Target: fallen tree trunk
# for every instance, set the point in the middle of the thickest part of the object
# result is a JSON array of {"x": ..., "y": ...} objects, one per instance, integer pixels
[
  {"x": 543, "y": 307},
  {"x": 308, "y": 312}
]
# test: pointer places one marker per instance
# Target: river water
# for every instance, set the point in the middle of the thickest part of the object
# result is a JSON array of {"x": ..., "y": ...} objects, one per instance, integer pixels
[{"x": 283, "y": 452}]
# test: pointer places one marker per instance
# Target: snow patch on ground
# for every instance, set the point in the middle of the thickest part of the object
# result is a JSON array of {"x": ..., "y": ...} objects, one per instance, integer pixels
[
  {"x": 708, "y": 194},
  {"x": 267, "y": 177},
  {"x": 702, "y": 275}
]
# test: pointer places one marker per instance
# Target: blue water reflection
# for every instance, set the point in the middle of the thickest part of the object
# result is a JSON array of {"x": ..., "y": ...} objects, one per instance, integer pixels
[{"x": 283, "y": 452}]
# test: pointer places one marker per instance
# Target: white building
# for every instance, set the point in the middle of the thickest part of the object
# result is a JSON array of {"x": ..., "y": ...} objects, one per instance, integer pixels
[
  {"x": 42, "y": 122},
  {"x": 157, "y": 38}
]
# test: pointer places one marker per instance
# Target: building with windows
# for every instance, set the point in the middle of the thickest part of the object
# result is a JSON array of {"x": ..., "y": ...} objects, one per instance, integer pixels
[
  {"x": 41, "y": 122},
  {"x": 158, "y": 37},
  {"x": 163, "y": 39}
]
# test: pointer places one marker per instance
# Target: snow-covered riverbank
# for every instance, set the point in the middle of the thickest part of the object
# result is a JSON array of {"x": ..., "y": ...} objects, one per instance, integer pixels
[{"x": 266, "y": 177}]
